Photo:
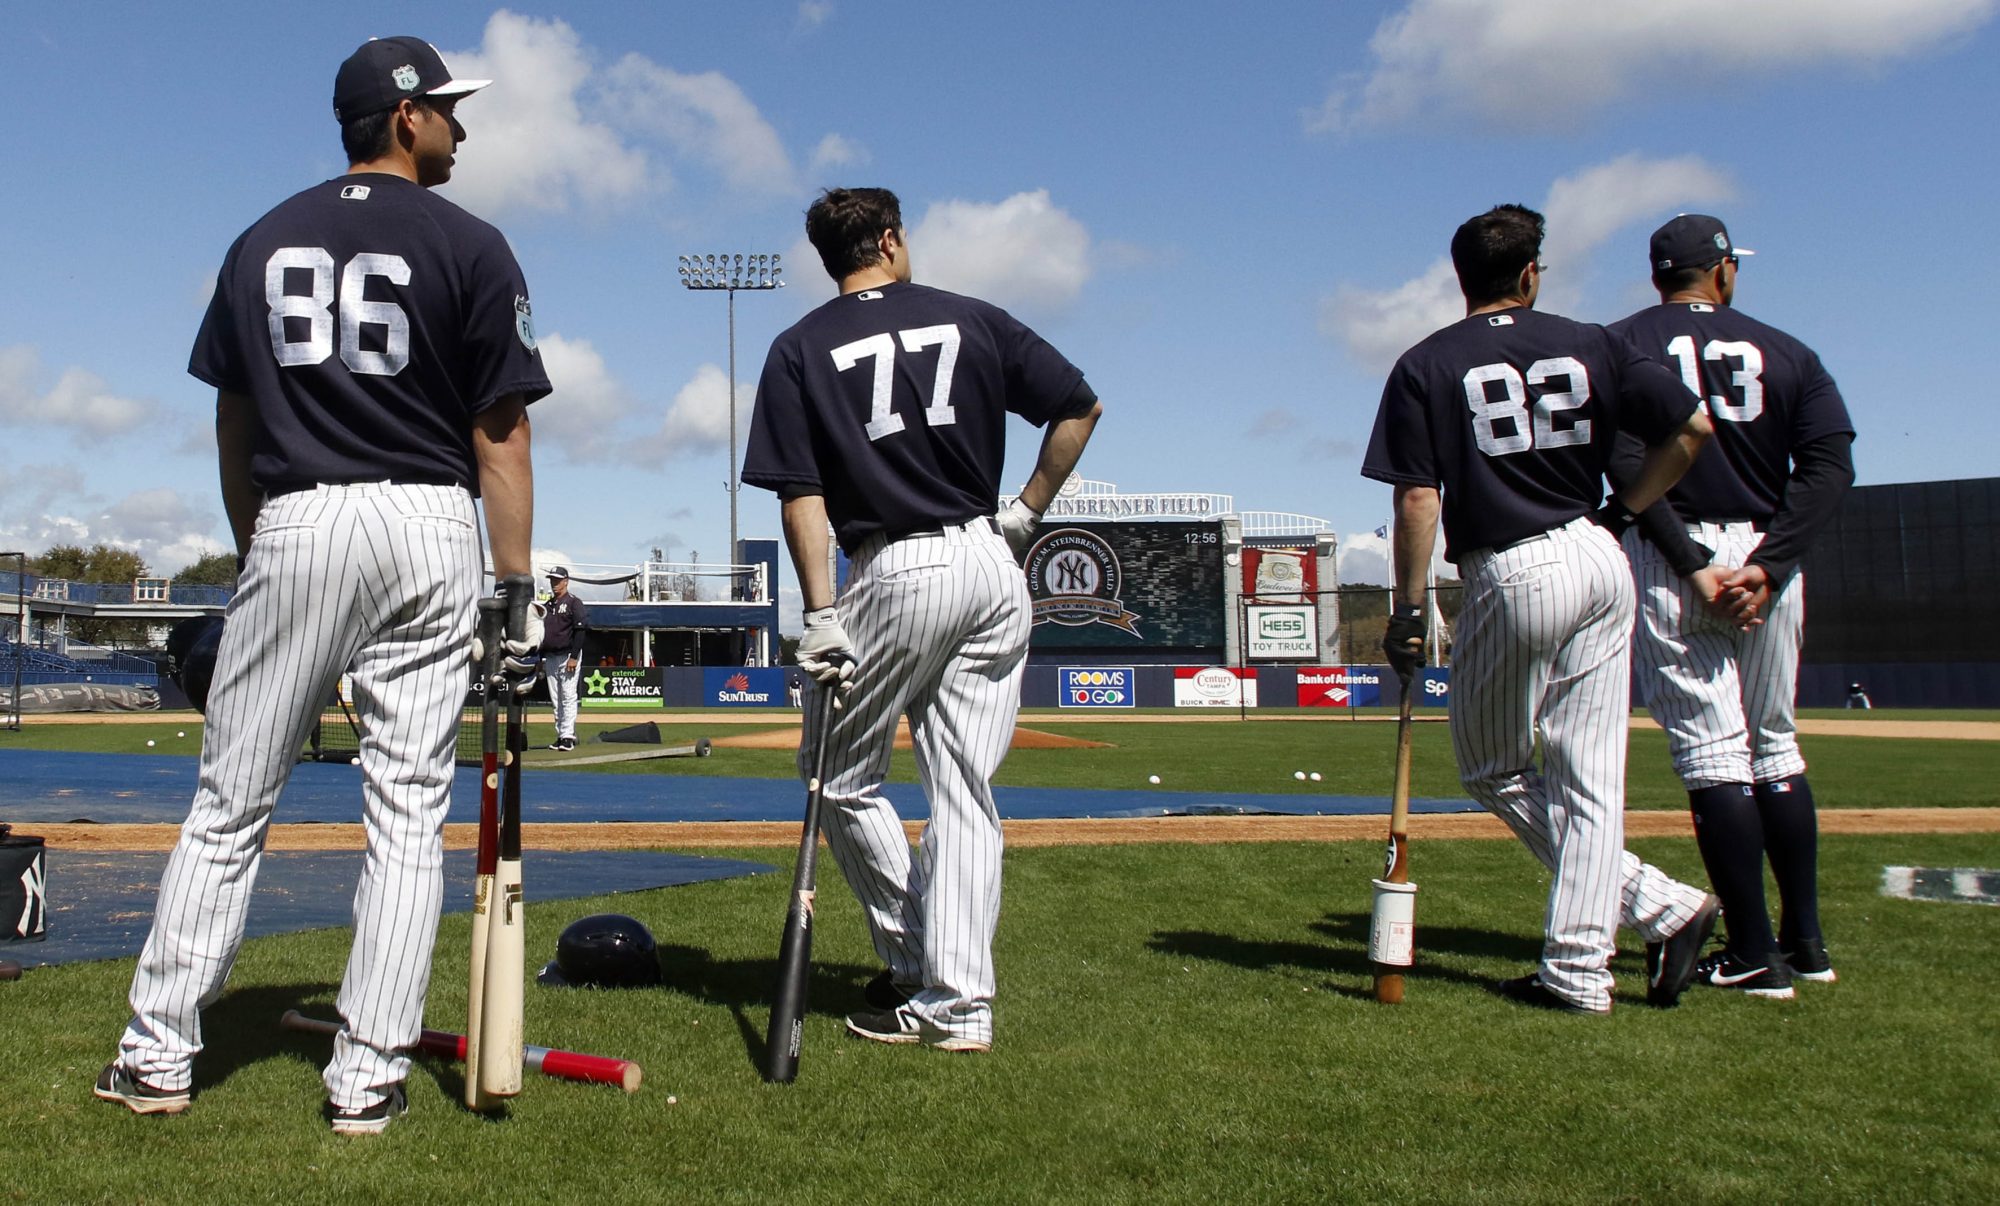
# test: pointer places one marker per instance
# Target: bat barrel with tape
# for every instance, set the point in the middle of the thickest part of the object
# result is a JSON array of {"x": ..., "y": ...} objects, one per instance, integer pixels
[
  {"x": 788, "y": 1005},
  {"x": 1392, "y": 929},
  {"x": 562, "y": 1065},
  {"x": 492, "y": 626}
]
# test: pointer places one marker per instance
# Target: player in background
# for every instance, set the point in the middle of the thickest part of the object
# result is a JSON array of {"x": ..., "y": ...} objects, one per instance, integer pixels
[
  {"x": 884, "y": 413},
  {"x": 374, "y": 357},
  {"x": 1722, "y": 605},
  {"x": 564, "y": 619},
  {"x": 1513, "y": 412}
]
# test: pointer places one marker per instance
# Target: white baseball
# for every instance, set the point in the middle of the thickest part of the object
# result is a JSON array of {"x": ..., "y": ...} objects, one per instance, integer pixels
[
  {"x": 1152, "y": 778},
  {"x": 149, "y": 743},
  {"x": 354, "y": 762},
  {"x": 182, "y": 733},
  {"x": 1299, "y": 775},
  {"x": 1314, "y": 776}
]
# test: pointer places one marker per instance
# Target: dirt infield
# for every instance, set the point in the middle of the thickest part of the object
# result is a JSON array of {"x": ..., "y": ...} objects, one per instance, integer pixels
[
  {"x": 788, "y": 739},
  {"x": 1117, "y": 831}
]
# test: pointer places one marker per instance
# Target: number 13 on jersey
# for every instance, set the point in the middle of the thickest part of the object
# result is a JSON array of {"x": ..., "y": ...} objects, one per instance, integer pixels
[{"x": 882, "y": 418}]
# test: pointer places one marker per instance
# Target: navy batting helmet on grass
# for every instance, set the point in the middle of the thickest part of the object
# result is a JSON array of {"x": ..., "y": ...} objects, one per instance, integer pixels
[
  {"x": 606, "y": 950},
  {"x": 192, "y": 646}
]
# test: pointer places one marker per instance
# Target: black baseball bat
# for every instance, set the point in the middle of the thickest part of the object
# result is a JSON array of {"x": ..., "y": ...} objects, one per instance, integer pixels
[{"x": 788, "y": 1005}]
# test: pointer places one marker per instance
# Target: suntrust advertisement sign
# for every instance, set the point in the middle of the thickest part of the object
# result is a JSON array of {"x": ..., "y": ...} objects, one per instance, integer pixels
[
  {"x": 1095, "y": 687},
  {"x": 620, "y": 687},
  {"x": 744, "y": 687}
]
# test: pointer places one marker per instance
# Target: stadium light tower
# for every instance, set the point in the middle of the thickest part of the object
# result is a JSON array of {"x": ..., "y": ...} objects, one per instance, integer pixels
[{"x": 729, "y": 273}]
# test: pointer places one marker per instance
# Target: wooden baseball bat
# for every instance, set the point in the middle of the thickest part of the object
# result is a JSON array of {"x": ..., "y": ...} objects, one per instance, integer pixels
[
  {"x": 501, "y": 1050},
  {"x": 492, "y": 621},
  {"x": 1389, "y": 982},
  {"x": 563, "y": 1065},
  {"x": 788, "y": 1005}
]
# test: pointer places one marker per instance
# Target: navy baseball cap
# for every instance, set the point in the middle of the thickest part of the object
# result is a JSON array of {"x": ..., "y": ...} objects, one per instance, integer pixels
[
  {"x": 1692, "y": 241},
  {"x": 560, "y": 571},
  {"x": 385, "y": 70}
]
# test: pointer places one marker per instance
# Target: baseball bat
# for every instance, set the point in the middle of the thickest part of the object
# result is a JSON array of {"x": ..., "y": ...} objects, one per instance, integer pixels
[
  {"x": 492, "y": 619},
  {"x": 563, "y": 1065},
  {"x": 788, "y": 1004},
  {"x": 1388, "y": 979},
  {"x": 501, "y": 1050}
]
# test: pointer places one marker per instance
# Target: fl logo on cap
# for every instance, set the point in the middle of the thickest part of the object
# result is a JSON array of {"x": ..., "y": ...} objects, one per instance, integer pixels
[{"x": 406, "y": 78}]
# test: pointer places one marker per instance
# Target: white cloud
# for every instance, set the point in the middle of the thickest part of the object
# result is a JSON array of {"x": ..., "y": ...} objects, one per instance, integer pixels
[
  {"x": 530, "y": 145},
  {"x": 79, "y": 401},
  {"x": 814, "y": 13},
  {"x": 1023, "y": 251},
  {"x": 838, "y": 151},
  {"x": 583, "y": 413},
  {"x": 55, "y": 506},
  {"x": 1363, "y": 558},
  {"x": 1544, "y": 62},
  {"x": 1583, "y": 211},
  {"x": 697, "y": 421},
  {"x": 704, "y": 116}
]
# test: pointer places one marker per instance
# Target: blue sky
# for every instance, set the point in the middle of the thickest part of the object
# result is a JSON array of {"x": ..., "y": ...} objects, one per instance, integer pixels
[{"x": 1233, "y": 217}]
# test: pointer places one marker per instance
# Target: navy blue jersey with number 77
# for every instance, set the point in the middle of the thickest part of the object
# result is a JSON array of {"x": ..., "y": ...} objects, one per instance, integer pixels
[
  {"x": 892, "y": 403},
  {"x": 1513, "y": 414}
]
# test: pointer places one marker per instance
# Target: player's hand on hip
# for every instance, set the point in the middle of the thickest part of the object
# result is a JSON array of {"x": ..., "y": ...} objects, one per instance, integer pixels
[
  {"x": 826, "y": 652},
  {"x": 1018, "y": 522},
  {"x": 1403, "y": 642}
]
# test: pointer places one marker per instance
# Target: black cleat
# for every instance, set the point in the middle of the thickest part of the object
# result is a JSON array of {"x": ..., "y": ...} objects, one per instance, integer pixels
[
  {"x": 1770, "y": 979},
  {"x": 368, "y": 1120},
  {"x": 116, "y": 1084},
  {"x": 1529, "y": 990},
  {"x": 1670, "y": 965},
  {"x": 1809, "y": 962}
]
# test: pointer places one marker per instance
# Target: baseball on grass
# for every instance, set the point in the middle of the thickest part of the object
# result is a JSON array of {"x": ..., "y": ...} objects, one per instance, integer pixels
[
  {"x": 182, "y": 733},
  {"x": 1314, "y": 776},
  {"x": 1152, "y": 778},
  {"x": 149, "y": 743},
  {"x": 1298, "y": 775}
]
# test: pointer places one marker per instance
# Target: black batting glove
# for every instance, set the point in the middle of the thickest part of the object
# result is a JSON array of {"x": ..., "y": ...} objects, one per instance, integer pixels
[{"x": 1403, "y": 643}]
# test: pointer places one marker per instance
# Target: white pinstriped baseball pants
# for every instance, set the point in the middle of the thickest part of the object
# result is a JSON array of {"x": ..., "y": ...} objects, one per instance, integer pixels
[
  {"x": 940, "y": 628},
  {"x": 1542, "y": 645},
  {"x": 1724, "y": 697},
  {"x": 377, "y": 581}
]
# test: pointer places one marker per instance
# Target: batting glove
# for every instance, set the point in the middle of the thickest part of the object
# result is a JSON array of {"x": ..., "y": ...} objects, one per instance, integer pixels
[
  {"x": 826, "y": 652},
  {"x": 1403, "y": 643},
  {"x": 520, "y": 660},
  {"x": 1017, "y": 522}
]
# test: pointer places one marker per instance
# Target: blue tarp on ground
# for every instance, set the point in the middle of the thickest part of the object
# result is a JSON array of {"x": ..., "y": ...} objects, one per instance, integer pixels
[
  {"x": 101, "y": 903},
  {"x": 49, "y": 786}
]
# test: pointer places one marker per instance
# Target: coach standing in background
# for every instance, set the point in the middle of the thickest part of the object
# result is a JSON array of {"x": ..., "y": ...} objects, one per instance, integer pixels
[
  {"x": 884, "y": 412},
  {"x": 374, "y": 358},
  {"x": 1721, "y": 551},
  {"x": 564, "y": 619},
  {"x": 1513, "y": 412}
]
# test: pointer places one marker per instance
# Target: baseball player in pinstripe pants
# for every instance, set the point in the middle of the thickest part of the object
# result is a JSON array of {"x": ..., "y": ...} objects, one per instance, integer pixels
[
  {"x": 884, "y": 412},
  {"x": 373, "y": 355},
  {"x": 1722, "y": 606},
  {"x": 1513, "y": 412}
]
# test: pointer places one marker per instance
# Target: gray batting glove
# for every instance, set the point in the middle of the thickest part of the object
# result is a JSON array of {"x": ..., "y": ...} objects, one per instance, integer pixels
[
  {"x": 1017, "y": 522},
  {"x": 826, "y": 652}
]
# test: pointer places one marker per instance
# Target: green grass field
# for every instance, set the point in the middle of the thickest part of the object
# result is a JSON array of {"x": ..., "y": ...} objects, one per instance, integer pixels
[
  {"x": 1174, "y": 1024},
  {"x": 1252, "y": 756}
]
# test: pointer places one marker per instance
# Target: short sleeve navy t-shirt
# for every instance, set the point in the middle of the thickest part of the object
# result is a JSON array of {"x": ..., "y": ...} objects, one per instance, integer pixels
[
  {"x": 1513, "y": 413},
  {"x": 1766, "y": 392},
  {"x": 892, "y": 403},
  {"x": 369, "y": 320}
]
